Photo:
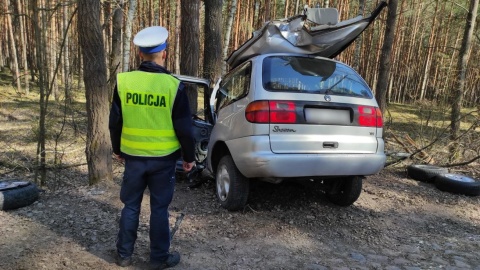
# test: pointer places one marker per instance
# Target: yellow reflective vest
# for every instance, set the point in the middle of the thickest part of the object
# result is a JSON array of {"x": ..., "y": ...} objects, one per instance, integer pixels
[{"x": 147, "y": 100}]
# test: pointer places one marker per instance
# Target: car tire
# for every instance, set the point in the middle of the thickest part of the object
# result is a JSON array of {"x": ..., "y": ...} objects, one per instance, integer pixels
[
  {"x": 16, "y": 194},
  {"x": 458, "y": 184},
  {"x": 231, "y": 187},
  {"x": 424, "y": 173},
  {"x": 344, "y": 192}
]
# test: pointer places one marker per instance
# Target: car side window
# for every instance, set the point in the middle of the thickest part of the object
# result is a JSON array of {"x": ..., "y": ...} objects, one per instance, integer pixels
[{"x": 234, "y": 87}]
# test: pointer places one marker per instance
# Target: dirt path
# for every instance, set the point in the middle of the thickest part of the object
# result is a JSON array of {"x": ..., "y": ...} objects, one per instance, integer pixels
[{"x": 397, "y": 223}]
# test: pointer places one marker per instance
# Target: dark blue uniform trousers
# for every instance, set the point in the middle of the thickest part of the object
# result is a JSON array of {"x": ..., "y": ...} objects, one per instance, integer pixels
[{"x": 159, "y": 176}]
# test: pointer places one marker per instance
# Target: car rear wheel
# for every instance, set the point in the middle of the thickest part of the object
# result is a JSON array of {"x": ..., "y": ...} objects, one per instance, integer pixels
[
  {"x": 345, "y": 191},
  {"x": 232, "y": 187}
]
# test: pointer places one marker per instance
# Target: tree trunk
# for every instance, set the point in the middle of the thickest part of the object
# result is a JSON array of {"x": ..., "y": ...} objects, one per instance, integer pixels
[
  {"x": 132, "y": 8},
  {"x": 23, "y": 40},
  {"x": 66, "y": 57},
  {"x": 228, "y": 32},
  {"x": 52, "y": 57},
  {"x": 286, "y": 9},
  {"x": 98, "y": 148},
  {"x": 428, "y": 62},
  {"x": 358, "y": 41},
  {"x": 212, "y": 57},
  {"x": 267, "y": 12},
  {"x": 116, "y": 53},
  {"x": 189, "y": 38},
  {"x": 384, "y": 72},
  {"x": 13, "y": 51},
  {"x": 457, "y": 97},
  {"x": 41, "y": 63},
  {"x": 178, "y": 30}
]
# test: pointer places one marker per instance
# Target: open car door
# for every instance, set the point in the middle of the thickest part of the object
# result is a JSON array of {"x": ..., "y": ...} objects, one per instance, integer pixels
[{"x": 198, "y": 92}]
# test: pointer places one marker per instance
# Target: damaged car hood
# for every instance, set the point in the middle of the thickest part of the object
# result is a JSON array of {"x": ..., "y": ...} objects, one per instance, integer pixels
[{"x": 292, "y": 36}]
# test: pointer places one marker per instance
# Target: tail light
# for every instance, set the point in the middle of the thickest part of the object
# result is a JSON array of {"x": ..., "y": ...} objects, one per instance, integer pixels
[
  {"x": 370, "y": 116},
  {"x": 265, "y": 111}
]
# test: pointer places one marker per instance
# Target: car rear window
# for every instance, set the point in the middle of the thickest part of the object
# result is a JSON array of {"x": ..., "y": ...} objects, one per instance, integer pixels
[{"x": 312, "y": 75}]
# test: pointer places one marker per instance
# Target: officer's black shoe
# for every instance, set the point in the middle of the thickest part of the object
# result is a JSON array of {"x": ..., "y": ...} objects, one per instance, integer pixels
[
  {"x": 172, "y": 260},
  {"x": 123, "y": 261}
]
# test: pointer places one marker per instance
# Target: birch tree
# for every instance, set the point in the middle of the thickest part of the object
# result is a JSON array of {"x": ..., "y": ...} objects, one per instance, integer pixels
[
  {"x": 226, "y": 43},
  {"x": 132, "y": 8}
]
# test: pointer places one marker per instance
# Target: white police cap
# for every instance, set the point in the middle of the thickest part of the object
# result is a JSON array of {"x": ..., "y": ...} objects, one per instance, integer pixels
[{"x": 151, "y": 39}]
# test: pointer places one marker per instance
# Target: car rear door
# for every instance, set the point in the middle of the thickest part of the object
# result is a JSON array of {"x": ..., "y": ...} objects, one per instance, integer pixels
[{"x": 319, "y": 106}]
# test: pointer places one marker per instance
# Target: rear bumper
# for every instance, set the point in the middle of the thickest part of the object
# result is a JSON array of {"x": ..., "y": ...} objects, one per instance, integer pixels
[{"x": 253, "y": 157}]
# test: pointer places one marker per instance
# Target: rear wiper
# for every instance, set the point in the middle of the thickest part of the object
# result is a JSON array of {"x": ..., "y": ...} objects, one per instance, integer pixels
[{"x": 335, "y": 84}]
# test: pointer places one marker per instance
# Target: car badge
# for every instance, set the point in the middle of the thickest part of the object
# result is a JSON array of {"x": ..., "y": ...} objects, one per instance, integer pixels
[{"x": 328, "y": 98}]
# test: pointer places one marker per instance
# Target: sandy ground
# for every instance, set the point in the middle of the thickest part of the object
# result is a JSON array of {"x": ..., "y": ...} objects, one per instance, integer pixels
[{"x": 397, "y": 223}]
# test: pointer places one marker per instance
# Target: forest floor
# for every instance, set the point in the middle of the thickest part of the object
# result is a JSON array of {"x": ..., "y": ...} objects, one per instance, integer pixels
[{"x": 397, "y": 223}]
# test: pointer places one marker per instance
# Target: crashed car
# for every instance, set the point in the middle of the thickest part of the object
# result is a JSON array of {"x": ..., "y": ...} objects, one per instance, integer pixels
[{"x": 288, "y": 111}]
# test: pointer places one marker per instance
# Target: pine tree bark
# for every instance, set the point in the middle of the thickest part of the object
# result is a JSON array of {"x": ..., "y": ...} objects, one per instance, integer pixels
[
  {"x": 457, "y": 96},
  {"x": 116, "y": 53},
  {"x": 358, "y": 41},
  {"x": 212, "y": 56},
  {"x": 41, "y": 64},
  {"x": 66, "y": 57},
  {"x": 190, "y": 44},
  {"x": 98, "y": 148},
  {"x": 23, "y": 40},
  {"x": 13, "y": 51},
  {"x": 384, "y": 72}
]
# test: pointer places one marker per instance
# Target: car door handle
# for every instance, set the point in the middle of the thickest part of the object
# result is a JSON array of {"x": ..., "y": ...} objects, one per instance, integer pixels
[{"x": 330, "y": 145}]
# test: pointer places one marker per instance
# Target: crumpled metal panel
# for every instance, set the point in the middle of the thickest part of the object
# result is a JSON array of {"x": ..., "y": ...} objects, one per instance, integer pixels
[{"x": 291, "y": 36}]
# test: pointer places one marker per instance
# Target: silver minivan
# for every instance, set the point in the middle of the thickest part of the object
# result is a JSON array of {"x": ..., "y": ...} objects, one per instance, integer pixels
[
  {"x": 287, "y": 116},
  {"x": 282, "y": 115}
]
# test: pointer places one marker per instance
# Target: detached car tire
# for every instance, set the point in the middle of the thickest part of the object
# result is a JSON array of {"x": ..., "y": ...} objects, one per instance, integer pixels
[
  {"x": 458, "y": 184},
  {"x": 344, "y": 192},
  {"x": 231, "y": 187},
  {"x": 425, "y": 173},
  {"x": 16, "y": 194}
]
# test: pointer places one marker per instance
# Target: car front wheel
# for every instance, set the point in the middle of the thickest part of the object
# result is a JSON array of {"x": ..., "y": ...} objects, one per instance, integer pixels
[
  {"x": 345, "y": 191},
  {"x": 232, "y": 187}
]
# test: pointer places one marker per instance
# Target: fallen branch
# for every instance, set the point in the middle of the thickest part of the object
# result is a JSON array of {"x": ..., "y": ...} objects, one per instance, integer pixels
[
  {"x": 426, "y": 157},
  {"x": 461, "y": 163}
]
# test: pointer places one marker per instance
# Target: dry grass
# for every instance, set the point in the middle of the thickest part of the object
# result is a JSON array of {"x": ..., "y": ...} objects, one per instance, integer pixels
[
  {"x": 429, "y": 127},
  {"x": 426, "y": 124}
]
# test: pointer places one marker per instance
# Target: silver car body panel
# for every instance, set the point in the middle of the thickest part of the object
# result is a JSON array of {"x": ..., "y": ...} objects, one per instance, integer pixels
[
  {"x": 259, "y": 150},
  {"x": 253, "y": 157}
]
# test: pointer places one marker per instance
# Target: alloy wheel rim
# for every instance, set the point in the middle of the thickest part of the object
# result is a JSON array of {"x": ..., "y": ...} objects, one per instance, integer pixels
[{"x": 223, "y": 183}]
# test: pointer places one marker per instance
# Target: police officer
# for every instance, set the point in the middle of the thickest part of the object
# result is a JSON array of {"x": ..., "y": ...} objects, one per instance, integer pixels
[{"x": 150, "y": 128}]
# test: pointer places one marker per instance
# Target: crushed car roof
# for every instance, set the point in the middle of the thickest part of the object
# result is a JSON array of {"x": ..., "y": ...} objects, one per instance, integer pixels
[{"x": 327, "y": 38}]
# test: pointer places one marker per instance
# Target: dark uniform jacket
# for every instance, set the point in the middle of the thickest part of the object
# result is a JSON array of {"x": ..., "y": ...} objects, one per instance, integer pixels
[{"x": 181, "y": 118}]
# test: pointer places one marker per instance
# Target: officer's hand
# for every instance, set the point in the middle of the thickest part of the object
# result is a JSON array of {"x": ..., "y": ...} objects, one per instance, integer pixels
[
  {"x": 118, "y": 158},
  {"x": 188, "y": 166}
]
